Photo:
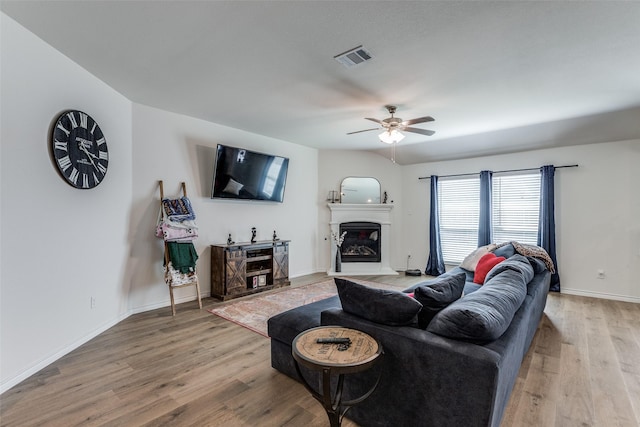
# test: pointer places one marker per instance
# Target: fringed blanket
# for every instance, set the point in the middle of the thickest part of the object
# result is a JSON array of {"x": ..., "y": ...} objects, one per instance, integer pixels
[{"x": 532, "y": 251}]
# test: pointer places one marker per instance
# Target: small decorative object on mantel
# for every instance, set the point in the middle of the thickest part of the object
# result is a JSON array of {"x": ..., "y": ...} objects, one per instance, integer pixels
[
  {"x": 275, "y": 236},
  {"x": 230, "y": 240},
  {"x": 333, "y": 196},
  {"x": 253, "y": 234},
  {"x": 338, "y": 240},
  {"x": 384, "y": 201}
]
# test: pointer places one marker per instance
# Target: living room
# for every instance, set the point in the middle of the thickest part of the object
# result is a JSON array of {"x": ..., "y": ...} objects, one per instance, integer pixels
[{"x": 75, "y": 263}]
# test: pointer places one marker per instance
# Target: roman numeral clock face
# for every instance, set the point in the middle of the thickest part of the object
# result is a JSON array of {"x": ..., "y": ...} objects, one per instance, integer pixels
[{"x": 79, "y": 149}]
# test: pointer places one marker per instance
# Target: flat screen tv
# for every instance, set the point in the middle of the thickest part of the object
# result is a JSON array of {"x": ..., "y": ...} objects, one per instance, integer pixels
[{"x": 248, "y": 175}]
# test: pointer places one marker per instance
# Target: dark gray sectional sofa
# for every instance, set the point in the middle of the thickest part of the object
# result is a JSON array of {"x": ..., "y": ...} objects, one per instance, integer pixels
[{"x": 427, "y": 378}]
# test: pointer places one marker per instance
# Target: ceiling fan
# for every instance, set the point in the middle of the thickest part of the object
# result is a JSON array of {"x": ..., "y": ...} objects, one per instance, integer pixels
[{"x": 393, "y": 125}]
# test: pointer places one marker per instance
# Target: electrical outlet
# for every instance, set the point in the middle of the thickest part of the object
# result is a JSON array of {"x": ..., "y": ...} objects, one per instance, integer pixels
[
  {"x": 93, "y": 302},
  {"x": 601, "y": 274}
]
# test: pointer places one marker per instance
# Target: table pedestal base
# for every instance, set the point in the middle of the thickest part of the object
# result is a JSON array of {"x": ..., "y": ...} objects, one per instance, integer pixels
[{"x": 333, "y": 403}]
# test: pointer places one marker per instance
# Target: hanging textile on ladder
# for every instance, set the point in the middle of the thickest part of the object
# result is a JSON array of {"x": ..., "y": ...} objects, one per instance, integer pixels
[{"x": 176, "y": 225}]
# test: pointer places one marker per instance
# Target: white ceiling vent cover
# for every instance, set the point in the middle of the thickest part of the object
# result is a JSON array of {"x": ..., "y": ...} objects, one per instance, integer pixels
[{"x": 353, "y": 57}]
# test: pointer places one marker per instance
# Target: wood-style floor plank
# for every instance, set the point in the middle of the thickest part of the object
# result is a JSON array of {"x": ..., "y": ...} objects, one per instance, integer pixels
[
  {"x": 197, "y": 369},
  {"x": 611, "y": 403},
  {"x": 538, "y": 397}
]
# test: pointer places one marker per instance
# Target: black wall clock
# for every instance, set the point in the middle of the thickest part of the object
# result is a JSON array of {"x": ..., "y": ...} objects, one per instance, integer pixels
[{"x": 79, "y": 149}]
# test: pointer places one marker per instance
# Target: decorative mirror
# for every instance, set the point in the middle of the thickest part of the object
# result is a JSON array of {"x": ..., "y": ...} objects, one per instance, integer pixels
[{"x": 360, "y": 190}]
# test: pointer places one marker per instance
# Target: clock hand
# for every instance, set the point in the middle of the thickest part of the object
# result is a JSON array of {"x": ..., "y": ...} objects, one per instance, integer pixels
[
  {"x": 92, "y": 155},
  {"x": 83, "y": 148}
]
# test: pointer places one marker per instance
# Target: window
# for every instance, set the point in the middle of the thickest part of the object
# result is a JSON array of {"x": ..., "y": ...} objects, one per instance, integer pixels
[
  {"x": 459, "y": 205},
  {"x": 515, "y": 210}
]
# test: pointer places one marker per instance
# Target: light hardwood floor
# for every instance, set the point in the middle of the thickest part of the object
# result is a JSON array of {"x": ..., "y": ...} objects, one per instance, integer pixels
[{"x": 197, "y": 369}]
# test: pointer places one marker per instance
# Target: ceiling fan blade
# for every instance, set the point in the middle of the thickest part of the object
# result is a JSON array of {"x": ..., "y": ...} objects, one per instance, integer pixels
[
  {"x": 358, "y": 131},
  {"x": 422, "y": 131},
  {"x": 374, "y": 120},
  {"x": 418, "y": 120}
]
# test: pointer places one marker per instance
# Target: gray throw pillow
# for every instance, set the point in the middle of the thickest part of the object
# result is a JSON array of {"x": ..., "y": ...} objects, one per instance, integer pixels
[
  {"x": 485, "y": 314},
  {"x": 438, "y": 294},
  {"x": 387, "y": 307},
  {"x": 506, "y": 251}
]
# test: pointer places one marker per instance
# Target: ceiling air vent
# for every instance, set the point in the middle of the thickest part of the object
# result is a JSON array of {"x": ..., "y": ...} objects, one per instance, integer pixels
[{"x": 353, "y": 57}]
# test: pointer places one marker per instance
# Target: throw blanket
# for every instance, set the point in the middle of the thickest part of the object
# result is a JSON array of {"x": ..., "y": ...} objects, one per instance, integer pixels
[
  {"x": 175, "y": 278},
  {"x": 178, "y": 209},
  {"x": 532, "y": 251},
  {"x": 183, "y": 256}
]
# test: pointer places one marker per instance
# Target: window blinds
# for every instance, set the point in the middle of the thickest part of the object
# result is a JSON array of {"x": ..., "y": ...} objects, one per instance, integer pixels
[
  {"x": 516, "y": 207},
  {"x": 459, "y": 208}
]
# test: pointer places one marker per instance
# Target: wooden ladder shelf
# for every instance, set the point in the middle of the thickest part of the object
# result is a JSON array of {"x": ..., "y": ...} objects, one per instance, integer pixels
[{"x": 167, "y": 277}]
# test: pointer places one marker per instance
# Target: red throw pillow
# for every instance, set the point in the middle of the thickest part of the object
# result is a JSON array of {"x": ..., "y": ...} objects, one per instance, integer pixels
[{"x": 485, "y": 264}]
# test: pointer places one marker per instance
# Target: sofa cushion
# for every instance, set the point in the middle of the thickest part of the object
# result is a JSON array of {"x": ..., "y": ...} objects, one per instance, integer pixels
[
  {"x": 437, "y": 295},
  {"x": 486, "y": 263},
  {"x": 485, "y": 314},
  {"x": 388, "y": 307},
  {"x": 470, "y": 287}
]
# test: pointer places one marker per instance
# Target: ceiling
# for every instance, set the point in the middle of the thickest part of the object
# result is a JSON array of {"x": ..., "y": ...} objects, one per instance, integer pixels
[{"x": 498, "y": 77}]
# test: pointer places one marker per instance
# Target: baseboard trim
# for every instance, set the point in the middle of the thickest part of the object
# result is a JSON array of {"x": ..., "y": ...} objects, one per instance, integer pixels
[{"x": 602, "y": 295}]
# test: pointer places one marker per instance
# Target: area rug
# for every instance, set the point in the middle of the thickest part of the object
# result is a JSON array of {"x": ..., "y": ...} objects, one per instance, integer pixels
[{"x": 254, "y": 311}]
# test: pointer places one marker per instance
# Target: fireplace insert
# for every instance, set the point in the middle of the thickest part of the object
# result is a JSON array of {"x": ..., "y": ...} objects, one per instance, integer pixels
[{"x": 361, "y": 243}]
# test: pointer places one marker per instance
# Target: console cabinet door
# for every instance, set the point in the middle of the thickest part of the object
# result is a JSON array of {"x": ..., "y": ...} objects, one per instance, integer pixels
[
  {"x": 281, "y": 262},
  {"x": 235, "y": 272}
]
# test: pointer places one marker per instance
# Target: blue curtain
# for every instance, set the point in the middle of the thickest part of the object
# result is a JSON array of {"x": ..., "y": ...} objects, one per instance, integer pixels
[
  {"x": 435, "y": 264},
  {"x": 547, "y": 221},
  {"x": 484, "y": 225}
]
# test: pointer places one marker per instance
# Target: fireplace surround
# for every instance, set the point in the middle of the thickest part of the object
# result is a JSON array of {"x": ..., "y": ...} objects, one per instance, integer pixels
[{"x": 378, "y": 214}]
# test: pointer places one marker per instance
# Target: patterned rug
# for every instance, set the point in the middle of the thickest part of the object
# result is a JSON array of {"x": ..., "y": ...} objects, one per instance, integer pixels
[{"x": 253, "y": 312}]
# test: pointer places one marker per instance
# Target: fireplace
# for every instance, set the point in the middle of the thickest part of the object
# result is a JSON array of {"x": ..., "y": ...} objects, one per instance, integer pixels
[
  {"x": 361, "y": 241},
  {"x": 369, "y": 218}
]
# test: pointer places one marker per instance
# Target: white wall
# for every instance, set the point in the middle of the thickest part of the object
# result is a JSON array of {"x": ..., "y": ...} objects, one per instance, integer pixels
[
  {"x": 597, "y": 212},
  {"x": 60, "y": 246},
  {"x": 333, "y": 167},
  {"x": 178, "y": 148}
]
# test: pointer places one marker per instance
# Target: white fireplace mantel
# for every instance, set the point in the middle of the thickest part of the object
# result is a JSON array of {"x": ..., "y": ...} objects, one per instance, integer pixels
[{"x": 378, "y": 213}]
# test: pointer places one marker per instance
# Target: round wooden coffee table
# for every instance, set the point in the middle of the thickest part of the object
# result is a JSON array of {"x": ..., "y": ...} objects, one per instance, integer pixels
[{"x": 332, "y": 359}]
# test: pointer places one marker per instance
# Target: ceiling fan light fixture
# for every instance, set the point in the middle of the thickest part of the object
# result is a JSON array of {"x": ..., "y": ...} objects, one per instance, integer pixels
[{"x": 391, "y": 136}]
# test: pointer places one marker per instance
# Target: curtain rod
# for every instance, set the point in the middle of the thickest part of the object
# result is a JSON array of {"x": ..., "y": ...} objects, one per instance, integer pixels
[{"x": 505, "y": 171}]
